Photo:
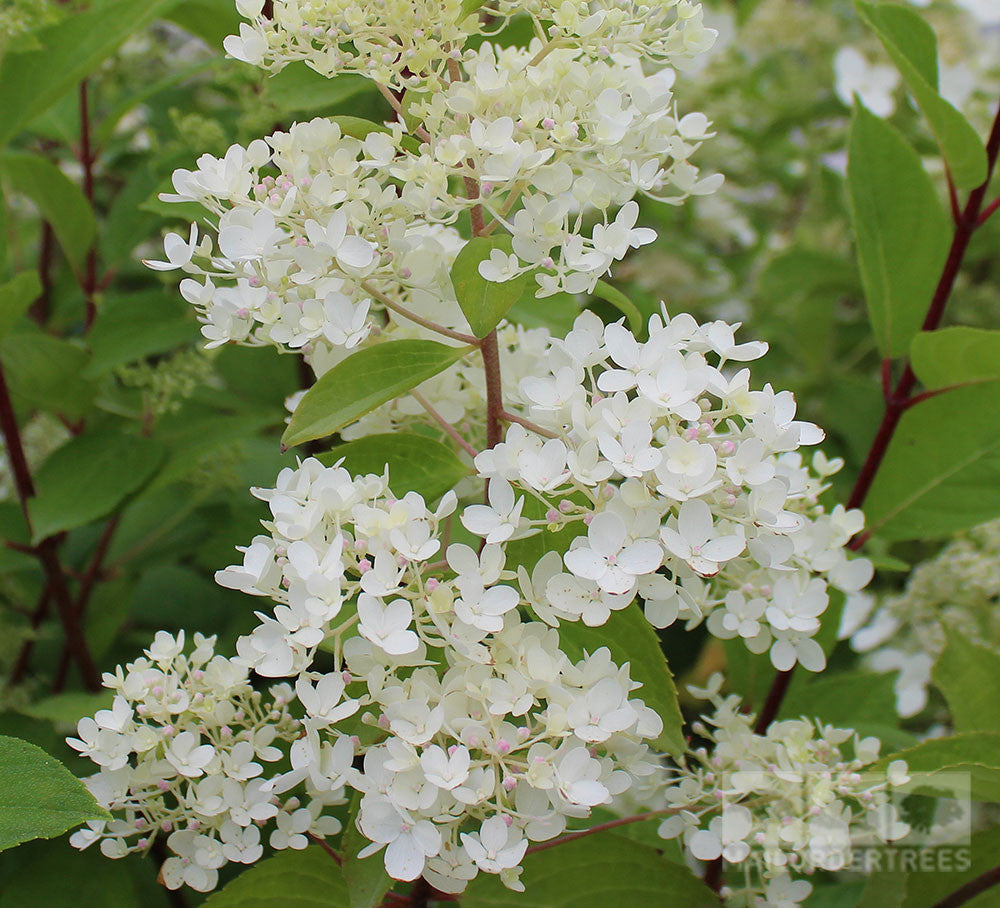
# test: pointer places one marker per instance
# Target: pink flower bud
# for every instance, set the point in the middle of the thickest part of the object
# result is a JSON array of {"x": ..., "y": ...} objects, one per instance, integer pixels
[
  {"x": 503, "y": 747},
  {"x": 548, "y": 123}
]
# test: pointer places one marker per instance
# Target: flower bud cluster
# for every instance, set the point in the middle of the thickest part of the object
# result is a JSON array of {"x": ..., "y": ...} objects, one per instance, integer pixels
[
  {"x": 182, "y": 754},
  {"x": 800, "y": 798},
  {"x": 959, "y": 588},
  {"x": 676, "y": 483}
]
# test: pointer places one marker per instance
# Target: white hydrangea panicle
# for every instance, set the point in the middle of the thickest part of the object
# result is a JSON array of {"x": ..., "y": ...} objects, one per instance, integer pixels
[
  {"x": 794, "y": 800},
  {"x": 676, "y": 483},
  {"x": 185, "y": 753}
]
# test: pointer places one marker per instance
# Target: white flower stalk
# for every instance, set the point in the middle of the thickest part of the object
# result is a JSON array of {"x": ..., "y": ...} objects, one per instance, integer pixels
[
  {"x": 797, "y": 799},
  {"x": 183, "y": 755}
]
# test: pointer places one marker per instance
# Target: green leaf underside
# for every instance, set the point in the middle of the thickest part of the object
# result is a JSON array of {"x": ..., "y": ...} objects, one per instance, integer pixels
[
  {"x": 364, "y": 381},
  {"x": 88, "y": 477},
  {"x": 484, "y": 302},
  {"x": 290, "y": 879},
  {"x": 941, "y": 473},
  {"x": 598, "y": 871},
  {"x": 901, "y": 230},
  {"x": 39, "y": 797},
  {"x": 614, "y": 296},
  {"x": 416, "y": 463},
  {"x": 631, "y": 638},
  {"x": 910, "y": 43},
  {"x": 953, "y": 356}
]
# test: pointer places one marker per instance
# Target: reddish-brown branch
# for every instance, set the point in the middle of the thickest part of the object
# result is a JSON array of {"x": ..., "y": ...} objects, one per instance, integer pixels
[
  {"x": 319, "y": 840},
  {"x": 47, "y": 549},
  {"x": 988, "y": 212},
  {"x": 901, "y": 397},
  {"x": 40, "y": 308},
  {"x": 23, "y": 660},
  {"x": 87, "y": 582},
  {"x": 89, "y": 282},
  {"x": 970, "y": 890},
  {"x": 600, "y": 827}
]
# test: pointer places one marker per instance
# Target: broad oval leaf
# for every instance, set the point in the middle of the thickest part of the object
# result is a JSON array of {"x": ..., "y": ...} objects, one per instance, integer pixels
[
  {"x": 969, "y": 677},
  {"x": 941, "y": 473},
  {"x": 297, "y": 88},
  {"x": 953, "y": 356},
  {"x": 416, "y": 463},
  {"x": 901, "y": 230},
  {"x": 59, "y": 200},
  {"x": 292, "y": 879},
  {"x": 932, "y": 764},
  {"x": 39, "y": 797},
  {"x": 911, "y": 44},
  {"x": 363, "y": 382},
  {"x": 611, "y": 294},
  {"x": 33, "y": 80},
  {"x": 88, "y": 477},
  {"x": 484, "y": 302},
  {"x": 631, "y": 638},
  {"x": 596, "y": 871},
  {"x": 15, "y": 298}
]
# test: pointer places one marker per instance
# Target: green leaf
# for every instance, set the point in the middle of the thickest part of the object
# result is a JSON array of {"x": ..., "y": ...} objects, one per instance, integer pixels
[
  {"x": 416, "y": 463},
  {"x": 364, "y": 381},
  {"x": 622, "y": 303},
  {"x": 911, "y": 44},
  {"x": 15, "y": 298},
  {"x": 39, "y": 797},
  {"x": 33, "y": 80},
  {"x": 969, "y": 677},
  {"x": 631, "y": 638},
  {"x": 44, "y": 372},
  {"x": 367, "y": 881},
  {"x": 135, "y": 326},
  {"x": 953, "y": 356},
  {"x": 297, "y": 89},
  {"x": 66, "y": 708},
  {"x": 59, "y": 201},
  {"x": 884, "y": 890},
  {"x": 484, "y": 302},
  {"x": 89, "y": 477},
  {"x": 292, "y": 879},
  {"x": 901, "y": 230},
  {"x": 933, "y": 764},
  {"x": 941, "y": 473},
  {"x": 960, "y": 863},
  {"x": 210, "y": 20},
  {"x": 596, "y": 871}
]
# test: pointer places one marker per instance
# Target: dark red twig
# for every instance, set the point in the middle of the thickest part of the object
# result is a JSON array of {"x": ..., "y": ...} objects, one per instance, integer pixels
[{"x": 970, "y": 890}]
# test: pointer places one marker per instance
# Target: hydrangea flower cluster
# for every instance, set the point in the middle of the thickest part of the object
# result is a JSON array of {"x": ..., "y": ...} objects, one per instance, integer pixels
[
  {"x": 180, "y": 753},
  {"x": 408, "y": 45},
  {"x": 795, "y": 797},
  {"x": 958, "y": 589},
  {"x": 658, "y": 457}
]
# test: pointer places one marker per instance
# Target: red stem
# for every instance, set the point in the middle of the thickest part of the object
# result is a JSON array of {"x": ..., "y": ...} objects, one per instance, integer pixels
[
  {"x": 971, "y": 889},
  {"x": 901, "y": 397},
  {"x": 23, "y": 660},
  {"x": 87, "y": 157}
]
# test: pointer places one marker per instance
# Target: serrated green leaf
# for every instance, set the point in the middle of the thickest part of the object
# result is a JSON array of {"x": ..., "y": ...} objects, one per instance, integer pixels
[
  {"x": 416, "y": 463},
  {"x": 88, "y": 477},
  {"x": 367, "y": 881},
  {"x": 484, "y": 302},
  {"x": 33, "y": 80},
  {"x": 953, "y": 356},
  {"x": 901, "y": 230},
  {"x": 910, "y": 43},
  {"x": 291, "y": 879},
  {"x": 364, "y": 381},
  {"x": 15, "y": 298},
  {"x": 39, "y": 797},
  {"x": 596, "y": 871},
  {"x": 969, "y": 677},
  {"x": 631, "y": 638},
  {"x": 622, "y": 303},
  {"x": 932, "y": 764},
  {"x": 941, "y": 473},
  {"x": 59, "y": 201}
]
